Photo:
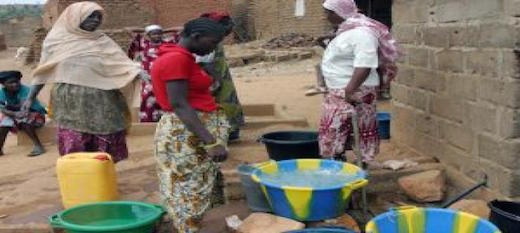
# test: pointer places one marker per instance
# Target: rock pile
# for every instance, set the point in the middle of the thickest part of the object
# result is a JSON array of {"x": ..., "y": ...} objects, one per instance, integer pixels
[{"x": 290, "y": 40}]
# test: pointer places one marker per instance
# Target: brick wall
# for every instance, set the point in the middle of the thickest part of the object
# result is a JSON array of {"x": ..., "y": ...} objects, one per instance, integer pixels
[
  {"x": 177, "y": 12},
  {"x": 457, "y": 96},
  {"x": 18, "y": 31},
  {"x": 119, "y": 13},
  {"x": 272, "y": 18}
]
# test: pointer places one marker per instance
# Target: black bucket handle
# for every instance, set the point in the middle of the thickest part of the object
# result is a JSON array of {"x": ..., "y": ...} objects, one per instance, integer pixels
[{"x": 494, "y": 208}]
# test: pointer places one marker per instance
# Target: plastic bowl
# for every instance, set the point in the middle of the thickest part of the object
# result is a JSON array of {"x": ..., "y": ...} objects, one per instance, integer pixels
[
  {"x": 413, "y": 219},
  {"x": 307, "y": 203},
  {"x": 105, "y": 217}
]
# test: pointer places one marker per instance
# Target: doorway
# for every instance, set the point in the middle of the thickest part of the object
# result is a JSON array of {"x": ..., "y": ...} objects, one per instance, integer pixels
[{"x": 380, "y": 10}]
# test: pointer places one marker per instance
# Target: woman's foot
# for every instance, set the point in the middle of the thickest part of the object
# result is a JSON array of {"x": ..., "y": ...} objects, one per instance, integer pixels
[{"x": 37, "y": 150}]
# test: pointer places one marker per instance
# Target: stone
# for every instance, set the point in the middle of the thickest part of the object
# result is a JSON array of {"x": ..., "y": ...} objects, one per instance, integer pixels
[
  {"x": 343, "y": 221},
  {"x": 305, "y": 55},
  {"x": 471, "y": 206},
  {"x": 267, "y": 223},
  {"x": 215, "y": 219},
  {"x": 424, "y": 187},
  {"x": 235, "y": 62},
  {"x": 283, "y": 57}
]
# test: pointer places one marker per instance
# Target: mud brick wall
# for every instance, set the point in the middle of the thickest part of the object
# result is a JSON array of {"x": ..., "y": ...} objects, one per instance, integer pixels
[
  {"x": 272, "y": 18},
  {"x": 172, "y": 13},
  {"x": 121, "y": 37},
  {"x": 457, "y": 96},
  {"x": 18, "y": 31},
  {"x": 119, "y": 13}
]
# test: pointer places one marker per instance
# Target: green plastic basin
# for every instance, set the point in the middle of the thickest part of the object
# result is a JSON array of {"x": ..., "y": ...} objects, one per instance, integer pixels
[{"x": 109, "y": 217}]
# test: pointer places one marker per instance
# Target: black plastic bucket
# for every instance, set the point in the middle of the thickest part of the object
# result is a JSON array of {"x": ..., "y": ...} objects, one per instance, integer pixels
[
  {"x": 505, "y": 215},
  {"x": 285, "y": 145}
]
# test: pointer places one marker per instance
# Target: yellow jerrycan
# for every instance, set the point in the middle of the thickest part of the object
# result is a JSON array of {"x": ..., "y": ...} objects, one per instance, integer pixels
[{"x": 86, "y": 178}]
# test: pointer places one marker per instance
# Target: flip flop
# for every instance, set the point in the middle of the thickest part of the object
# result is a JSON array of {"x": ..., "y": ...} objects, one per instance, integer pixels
[{"x": 38, "y": 150}]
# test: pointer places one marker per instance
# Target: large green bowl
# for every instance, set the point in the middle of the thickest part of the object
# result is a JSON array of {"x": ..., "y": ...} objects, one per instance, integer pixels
[{"x": 109, "y": 217}]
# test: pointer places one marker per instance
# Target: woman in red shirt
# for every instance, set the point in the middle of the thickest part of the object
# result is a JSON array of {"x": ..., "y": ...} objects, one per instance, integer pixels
[{"x": 191, "y": 136}]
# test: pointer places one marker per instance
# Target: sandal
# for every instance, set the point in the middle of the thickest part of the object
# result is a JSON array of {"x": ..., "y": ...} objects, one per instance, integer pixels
[{"x": 37, "y": 150}]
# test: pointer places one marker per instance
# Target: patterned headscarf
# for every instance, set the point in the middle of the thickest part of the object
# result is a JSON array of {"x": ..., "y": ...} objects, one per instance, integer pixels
[
  {"x": 217, "y": 16},
  {"x": 388, "y": 49}
]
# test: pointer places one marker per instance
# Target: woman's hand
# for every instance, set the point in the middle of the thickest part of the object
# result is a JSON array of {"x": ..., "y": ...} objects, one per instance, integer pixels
[
  {"x": 24, "y": 110},
  {"x": 218, "y": 153},
  {"x": 352, "y": 98}
]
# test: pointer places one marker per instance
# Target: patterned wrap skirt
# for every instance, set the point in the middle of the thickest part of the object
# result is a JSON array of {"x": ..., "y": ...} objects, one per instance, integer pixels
[
  {"x": 190, "y": 183},
  {"x": 335, "y": 131}
]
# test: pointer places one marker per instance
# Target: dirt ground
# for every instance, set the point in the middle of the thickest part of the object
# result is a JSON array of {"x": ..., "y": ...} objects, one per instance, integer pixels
[{"x": 30, "y": 184}]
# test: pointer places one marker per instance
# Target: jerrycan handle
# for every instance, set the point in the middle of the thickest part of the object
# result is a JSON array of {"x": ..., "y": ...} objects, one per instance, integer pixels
[{"x": 103, "y": 157}]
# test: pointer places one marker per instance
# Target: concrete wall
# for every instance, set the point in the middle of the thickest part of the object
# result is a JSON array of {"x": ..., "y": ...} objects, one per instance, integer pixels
[
  {"x": 457, "y": 96},
  {"x": 273, "y": 18}
]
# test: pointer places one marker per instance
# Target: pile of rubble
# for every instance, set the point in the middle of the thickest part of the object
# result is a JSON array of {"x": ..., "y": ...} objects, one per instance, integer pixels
[{"x": 290, "y": 40}]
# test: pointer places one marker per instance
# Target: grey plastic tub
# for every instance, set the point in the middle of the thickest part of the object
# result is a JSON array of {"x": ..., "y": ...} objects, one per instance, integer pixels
[{"x": 256, "y": 199}]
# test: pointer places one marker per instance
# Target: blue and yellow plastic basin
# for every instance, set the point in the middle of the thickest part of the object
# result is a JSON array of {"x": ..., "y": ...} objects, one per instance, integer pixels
[
  {"x": 429, "y": 220},
  {"x": 308, "y": 203}
]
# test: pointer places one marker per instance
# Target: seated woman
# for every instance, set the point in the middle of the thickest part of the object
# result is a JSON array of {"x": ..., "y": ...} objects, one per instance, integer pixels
[
  {"x": 350, "y": 68},
  {"x": 12, "y": 96},
  {"x": 192, "y": 135}
]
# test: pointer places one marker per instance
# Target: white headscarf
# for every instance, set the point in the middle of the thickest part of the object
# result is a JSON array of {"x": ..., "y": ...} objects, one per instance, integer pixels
[
  {"x": 97, "y": 61},
  {"x": 153, "y": 27}
]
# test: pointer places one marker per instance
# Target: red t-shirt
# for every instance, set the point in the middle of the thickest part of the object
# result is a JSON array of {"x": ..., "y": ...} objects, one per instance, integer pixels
[{"x": 177, "y": 63}]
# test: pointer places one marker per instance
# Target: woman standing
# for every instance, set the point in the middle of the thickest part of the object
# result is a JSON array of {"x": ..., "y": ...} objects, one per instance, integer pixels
[
  {"x": 145, "y": 49},
  {"x": 223, "y": 88},
  {"x": 192, "y": 134},
  {"x": 88, "y": 71},
  {"x": 350, "y": 65}
]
